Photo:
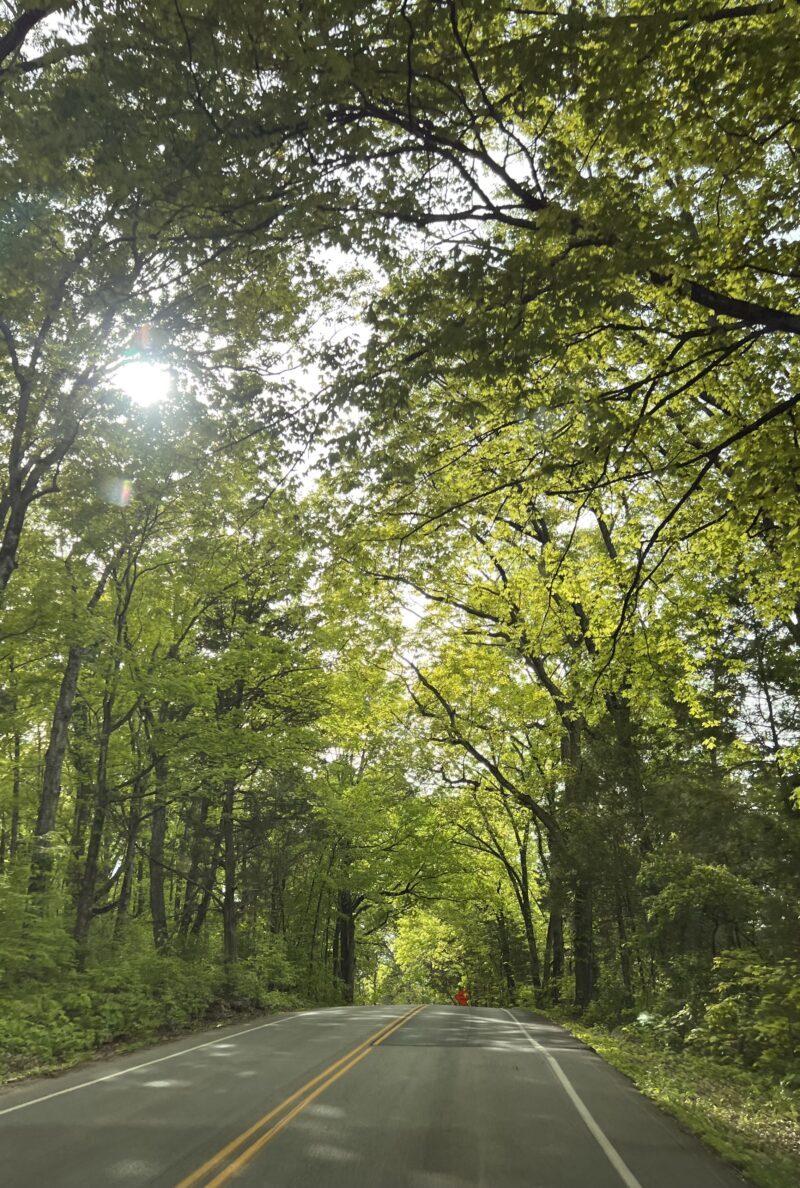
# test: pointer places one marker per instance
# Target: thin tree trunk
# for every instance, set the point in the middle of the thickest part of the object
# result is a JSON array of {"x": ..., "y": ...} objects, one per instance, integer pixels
[
  {"x": 314, "y": 929},
  {"x": 277, "y": 889},
  {"x": 9, "y": 839},
  {"x": 527, "y": 917},
  {"x": 554, "y": 955},
  {"x": 84, "y": 796},
  {"x": 42, "y": 859},
  {"x": 208, "y": 890},
  {"x": 10, "y": 541},
  {"x": 83, "y": 805},
  {"x": 625, "y": 963},
  {"x": 582, "y": 944},
  {"x": 345, "y": 952},
  {"x": 41, "y": 863},
  {"x": 139, "y": 908},
  {"x": 229, "y": 920},
  {"x": 85, "y": 905},
  {"x": 193, "y": 877},
  {"x": 129, "y": 862},
  {"x": 16, "y": 780},
  {"x": 505, "y": 958},
  {"x": 158, "y": 831},
  {"x": 530, "y": 941}
]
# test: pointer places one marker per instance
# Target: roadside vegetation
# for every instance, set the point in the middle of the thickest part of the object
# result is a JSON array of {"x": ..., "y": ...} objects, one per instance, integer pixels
[
  {"x": 748, "y": 1116},
  {"x": 399, "y": 529}
]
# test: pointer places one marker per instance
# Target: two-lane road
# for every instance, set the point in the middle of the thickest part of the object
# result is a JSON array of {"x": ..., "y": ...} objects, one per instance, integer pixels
[{"x": 359, "y": 1097}]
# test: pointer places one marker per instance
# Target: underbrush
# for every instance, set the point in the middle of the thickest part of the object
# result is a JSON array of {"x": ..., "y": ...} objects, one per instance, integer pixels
[
  {"x": 719, "y": 1048},
  {"x": 747, "y": 1116},
  {"x": 133, "y": 996}
]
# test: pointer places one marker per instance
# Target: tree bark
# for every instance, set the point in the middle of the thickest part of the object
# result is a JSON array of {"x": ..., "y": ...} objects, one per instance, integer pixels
[
  {"x": 229, "y": 915},
  {"x": 625, "y": 963},
  {"x": 10, "y": 542},
  {"x": 277, "y": 889},
  {"x": 198, "y": 847},
  {"x": 42, "y": 860},
  {"x": 527, "y": 918},
  {"x": 86, "y": 894},
  {"x": 16, "y": 782},
  {"x": 158, "y": 831},
  {"x": 582, "y": 943},
  {"x": 345, "y": 951},
  {"x": 9, "y": 843},
  {"x": 505, "y": 958},
  {"x": 129, "y": 862},
  {"x": 57, "y": 746},
  {"x": 554, "y": 955},
  {"x": 208, "y": 890}
]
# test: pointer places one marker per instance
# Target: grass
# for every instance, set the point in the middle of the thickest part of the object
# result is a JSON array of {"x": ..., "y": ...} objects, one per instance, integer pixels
[{"x": 752, "y": 1122}]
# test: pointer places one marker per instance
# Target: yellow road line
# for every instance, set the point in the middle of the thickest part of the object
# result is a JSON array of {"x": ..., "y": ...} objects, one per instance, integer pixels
[
  {"x": 242, "y": 1160},
  {"x": 328, "y": 1076}
]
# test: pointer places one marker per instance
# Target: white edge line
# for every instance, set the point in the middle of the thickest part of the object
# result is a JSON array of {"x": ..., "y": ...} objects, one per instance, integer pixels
[
  {"x": 23, "y": 1105},
  {"x": 608, "y": 1149}
]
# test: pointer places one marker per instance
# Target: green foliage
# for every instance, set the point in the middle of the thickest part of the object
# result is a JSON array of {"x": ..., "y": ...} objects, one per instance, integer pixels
[
  {"x": 748, "y": 1118},
  {"x": 509, "y": 697},
  {"x": 34, "y": 947},
  {"x": 753, "y": 1017},
  {"x": 137, "y": 997}
]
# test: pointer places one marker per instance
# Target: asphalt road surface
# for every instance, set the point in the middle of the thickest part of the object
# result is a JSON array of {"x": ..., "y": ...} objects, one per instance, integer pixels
[{"x": 356, "y": 1097}]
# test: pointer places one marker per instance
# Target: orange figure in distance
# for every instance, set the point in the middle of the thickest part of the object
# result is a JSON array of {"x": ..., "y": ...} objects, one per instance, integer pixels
[{"x": 462, "y": 998}]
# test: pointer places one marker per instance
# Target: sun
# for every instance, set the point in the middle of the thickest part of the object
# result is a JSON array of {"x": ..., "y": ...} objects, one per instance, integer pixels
[{"x": 144, "y": 383}]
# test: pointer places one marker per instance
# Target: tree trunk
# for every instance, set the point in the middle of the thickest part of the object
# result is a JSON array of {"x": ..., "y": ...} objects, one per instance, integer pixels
[
  {"x": 229, "y": 863},
  {"x": 312, "y": 944},
  {"x": 554, "y": 955},
  {"x": 158, "y": 831},
  {"x": 16, "y": 779},
  {"x": 505, "y": 958},
  {"x": 208, "y": 890},
  {"x": 345, "y": 958},
  {"x": 9, "y": 841},
  {"x": 192, "y": 890},
  {"x": 85, "y": 905},
  {"x": 629, "y": 766},
  {"x": 276, "y": 911},
  {"x": 11, "y": 537},
  {"x": 530, "y": 941},
  {"x": 84, "y": 797},
  {"x": 129, "y": 862},
  {"x": 42, "y": 859},
  {"x": 625, "y": 963},
  {"x": 582, "y": 944},
  {"x": 527, "y": 918},
  {"x": 577, "y": 803},
  {"x": 83, "y": 807}
]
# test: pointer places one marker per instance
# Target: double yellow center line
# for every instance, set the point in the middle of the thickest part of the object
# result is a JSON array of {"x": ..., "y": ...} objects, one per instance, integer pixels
[{"x": 297, "y": 1101}]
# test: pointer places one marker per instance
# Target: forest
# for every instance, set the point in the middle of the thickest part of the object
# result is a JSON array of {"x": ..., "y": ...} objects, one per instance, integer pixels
[{"x": 399, "y": 518}]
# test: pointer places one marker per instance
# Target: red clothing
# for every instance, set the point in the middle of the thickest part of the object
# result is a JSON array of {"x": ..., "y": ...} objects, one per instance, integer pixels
[{"x": 462, "y": 998}]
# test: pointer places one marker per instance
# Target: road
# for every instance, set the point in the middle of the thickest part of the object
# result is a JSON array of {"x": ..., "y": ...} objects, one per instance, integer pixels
[{"x": 353, "y": 1097}]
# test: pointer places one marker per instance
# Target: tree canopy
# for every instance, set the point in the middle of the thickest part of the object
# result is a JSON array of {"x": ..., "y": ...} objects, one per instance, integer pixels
[{"x": 399, "y": 519}]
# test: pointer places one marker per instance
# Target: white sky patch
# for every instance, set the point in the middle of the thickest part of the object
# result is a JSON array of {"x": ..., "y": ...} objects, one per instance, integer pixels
[
  {"x": 412, "y": 609},
  {"x": 144, "y": 383},
  {"x": 585, "y": 519}
]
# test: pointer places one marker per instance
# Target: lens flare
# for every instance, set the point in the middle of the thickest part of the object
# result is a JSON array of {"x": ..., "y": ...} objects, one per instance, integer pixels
[
  {"x": 144, "y": 383},
  {"x": 115, "y": 489}
]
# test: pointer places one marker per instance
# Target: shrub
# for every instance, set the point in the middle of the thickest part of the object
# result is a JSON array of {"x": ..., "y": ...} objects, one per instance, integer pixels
[{"x": 754, "y": 1017}]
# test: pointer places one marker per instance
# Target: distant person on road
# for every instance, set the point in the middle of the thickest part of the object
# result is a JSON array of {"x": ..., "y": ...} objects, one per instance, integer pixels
[{"x": 461, "y": 996}]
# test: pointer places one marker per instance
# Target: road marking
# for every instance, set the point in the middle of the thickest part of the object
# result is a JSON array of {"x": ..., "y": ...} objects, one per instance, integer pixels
[
  {"x": 23, "y": 1105},
  {"x": 327, "y": 1077},
  {"x": 608, "y": 1149}
]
